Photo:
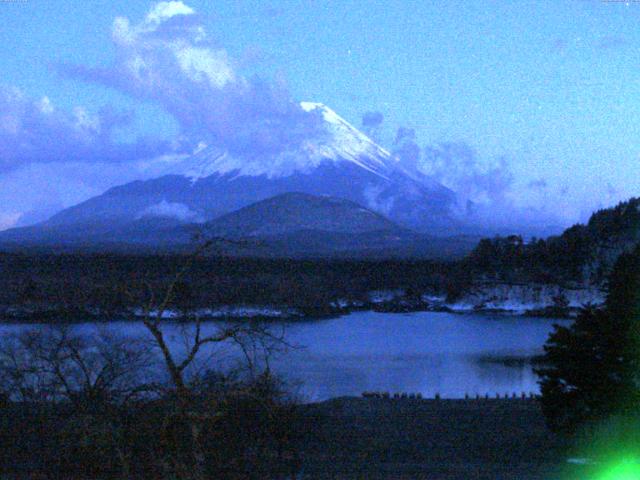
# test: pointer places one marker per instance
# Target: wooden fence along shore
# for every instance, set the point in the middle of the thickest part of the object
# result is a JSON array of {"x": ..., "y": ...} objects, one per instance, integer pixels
[{"x": 477, "y": 397}]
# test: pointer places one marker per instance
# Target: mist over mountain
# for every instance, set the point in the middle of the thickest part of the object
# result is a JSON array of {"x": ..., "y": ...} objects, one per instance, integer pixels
[
  {"x": 240, "y": 122},
  {"x": 342, "y": 163},
  {"x": 289, "y": 225}
]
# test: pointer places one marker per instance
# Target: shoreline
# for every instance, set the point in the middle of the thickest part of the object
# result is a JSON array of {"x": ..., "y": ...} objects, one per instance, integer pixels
[{"x": 267, "y": 313}]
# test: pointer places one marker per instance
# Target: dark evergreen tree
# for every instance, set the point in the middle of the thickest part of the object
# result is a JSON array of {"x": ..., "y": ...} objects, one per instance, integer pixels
[{"x": 592, "y": 367}]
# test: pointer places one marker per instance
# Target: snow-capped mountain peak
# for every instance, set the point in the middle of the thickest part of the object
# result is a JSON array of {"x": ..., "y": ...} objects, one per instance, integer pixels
[
  {"x": 334, "y": 158},
  {"x": 349, "y": 143},
  {"x": 342, "y": 142}
]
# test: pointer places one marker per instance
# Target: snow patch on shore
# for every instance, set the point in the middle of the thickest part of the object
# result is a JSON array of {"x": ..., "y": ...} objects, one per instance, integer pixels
[
  {"x": 227, "y": 311},
  {"x": 382, "y": 296},
  {"x": 518, "y": 298}
]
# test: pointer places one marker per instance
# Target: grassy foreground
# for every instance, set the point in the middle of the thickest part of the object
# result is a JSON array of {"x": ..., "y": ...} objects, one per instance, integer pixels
[
  {"x": 358, "y": 438},
  {"x": 350, "y": 438}
]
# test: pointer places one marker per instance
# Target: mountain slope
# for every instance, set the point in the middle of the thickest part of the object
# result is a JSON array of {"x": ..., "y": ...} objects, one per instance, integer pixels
[
  {"x": 342, "y": 162},
  {"x": 341, "y": 142},
  {"x": 290, "y": 225},
  {"x": 292, "y": 212},
  {"x": 299, "y": 225}
]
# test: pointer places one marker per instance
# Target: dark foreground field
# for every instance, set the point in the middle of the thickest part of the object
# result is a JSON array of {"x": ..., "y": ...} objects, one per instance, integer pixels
[
  {"x": 349, "y": 438},
  {"x": 427, "y": 439}
]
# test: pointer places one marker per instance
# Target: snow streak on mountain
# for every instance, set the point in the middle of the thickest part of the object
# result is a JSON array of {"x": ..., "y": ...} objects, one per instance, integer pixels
[
  {"x": 341, "y": 141},
  {"x": 338, "y": 161}
]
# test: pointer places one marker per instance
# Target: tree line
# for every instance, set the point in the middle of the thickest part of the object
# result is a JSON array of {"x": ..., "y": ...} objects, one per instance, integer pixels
[
  {"x": 581, "y": 253},
  {"x": 67, "y": 286},
  {"x": 590, "y": 372}
]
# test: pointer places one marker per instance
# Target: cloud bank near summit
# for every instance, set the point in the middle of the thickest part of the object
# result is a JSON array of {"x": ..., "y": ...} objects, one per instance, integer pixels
[
  {"x": 34, "y": 131},
  {"x": 168, "y": 58}
]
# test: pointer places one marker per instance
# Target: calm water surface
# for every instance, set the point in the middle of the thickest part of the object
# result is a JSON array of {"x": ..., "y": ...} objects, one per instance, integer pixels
[{"x": 424, "y": 352}]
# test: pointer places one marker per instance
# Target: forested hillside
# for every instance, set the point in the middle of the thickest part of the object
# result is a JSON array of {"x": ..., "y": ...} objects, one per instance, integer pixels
[{"x": 583, "y": 254}]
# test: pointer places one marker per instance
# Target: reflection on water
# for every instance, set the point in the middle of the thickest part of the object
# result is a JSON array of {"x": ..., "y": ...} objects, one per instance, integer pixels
[{"x": 422, "y": 352}]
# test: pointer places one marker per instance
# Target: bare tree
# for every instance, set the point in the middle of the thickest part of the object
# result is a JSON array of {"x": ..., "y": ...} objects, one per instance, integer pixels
[
  {"x": 60, "y": 363},
  {"x": 251, "y": 338},
  {"x": 90, "y": 379},
  {"x": 254, "y": 341}
]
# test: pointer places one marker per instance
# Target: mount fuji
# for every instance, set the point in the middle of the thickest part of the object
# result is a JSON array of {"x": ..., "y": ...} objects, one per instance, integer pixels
[{"x": 342, "y": 162}]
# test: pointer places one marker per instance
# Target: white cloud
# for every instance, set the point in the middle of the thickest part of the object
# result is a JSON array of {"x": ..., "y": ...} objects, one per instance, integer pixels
[
  {"x": 201, "y": 64},
  {"x": 33, "y": 131},
  {"x": 40, "y": 190},
  {"x": 46, "y": 106},
  {"x": 457, "y": 166},
  {"x": 147, "y": 45},
  {"x": 168, "y": 59},
  {"x": 84, "y": 121},
  {"x": 178, "y": 211},
  {"x": 165, "y": 10},
  {"x": 9, "y": 219}
]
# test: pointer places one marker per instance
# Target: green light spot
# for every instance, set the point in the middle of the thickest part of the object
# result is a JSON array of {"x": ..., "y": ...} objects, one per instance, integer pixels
[{"x": 624, "y": 470}]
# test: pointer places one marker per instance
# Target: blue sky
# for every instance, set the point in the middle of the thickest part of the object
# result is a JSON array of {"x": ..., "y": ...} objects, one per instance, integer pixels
[{"x": 549, "y": 90}]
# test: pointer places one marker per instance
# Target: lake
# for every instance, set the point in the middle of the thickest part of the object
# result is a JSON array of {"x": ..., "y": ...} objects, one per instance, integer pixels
[{"x": 421, "y": 352}]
